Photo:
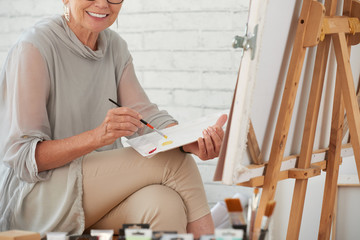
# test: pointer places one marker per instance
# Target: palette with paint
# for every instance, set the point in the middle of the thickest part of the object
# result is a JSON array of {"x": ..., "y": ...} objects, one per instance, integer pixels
[
  {"x": 152, "y": 143},
  {"x": 160, "y": 145}
]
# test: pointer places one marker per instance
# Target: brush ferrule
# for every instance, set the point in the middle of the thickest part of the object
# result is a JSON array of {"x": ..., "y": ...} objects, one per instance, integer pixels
[{"x": 236, "y": 218}]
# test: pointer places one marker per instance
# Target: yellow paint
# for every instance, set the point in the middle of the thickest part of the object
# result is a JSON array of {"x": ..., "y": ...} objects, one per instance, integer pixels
[{"x": 167, "y": 143}]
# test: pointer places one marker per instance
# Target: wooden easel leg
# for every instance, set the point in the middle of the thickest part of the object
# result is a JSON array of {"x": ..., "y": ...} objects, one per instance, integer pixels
[
  {"x": 333, "y": 160},
  {"x": 310, "y": 128},
  {"x": 328, "y": 213},
  {"x": 344, "y": 88},
  {"x": 349, "y": 95},
  {"x": 308, "y": 138},
  {"x": 285, "y": 114}
]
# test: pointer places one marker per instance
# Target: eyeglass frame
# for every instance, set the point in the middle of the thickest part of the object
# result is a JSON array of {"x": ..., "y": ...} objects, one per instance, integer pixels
[{"x": 110, "y": 2}]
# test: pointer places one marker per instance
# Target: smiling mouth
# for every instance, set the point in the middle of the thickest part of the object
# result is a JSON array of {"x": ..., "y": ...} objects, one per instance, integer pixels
[{"x": 97, "y": 15}]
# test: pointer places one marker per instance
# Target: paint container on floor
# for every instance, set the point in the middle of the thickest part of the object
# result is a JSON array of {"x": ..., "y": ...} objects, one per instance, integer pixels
[
  {"x": 83, "y": 237},
  {"x": 208, "y": 237},
  {"x": 102, "y": 234},
  {"x": 229, "y": 234},
  {"x": 131, "y": 226},
  {"x": 157, "y": 235},
  {"x": 138, "y": 234},
  {"x": 57, "y": 236},
  {"x": 185, "y": 236}
]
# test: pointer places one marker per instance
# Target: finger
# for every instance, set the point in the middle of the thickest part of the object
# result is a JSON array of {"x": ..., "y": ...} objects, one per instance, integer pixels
[
  {"x": 125, "y": 126},
  {"x": 124, "y": 111},
  {"x": 124, "y": 133},
  {"x": 216, "y": 139},
  {"x": 113, "y": 135},
  {"x": 221, "y": 120},
  {"x": 219, "y": 131},
  {"x": 209, "y": 144},
  {"x": 202, "y": 149},
  {"x": 116, "y": 130},
  {"x": 125, "y": 119}
]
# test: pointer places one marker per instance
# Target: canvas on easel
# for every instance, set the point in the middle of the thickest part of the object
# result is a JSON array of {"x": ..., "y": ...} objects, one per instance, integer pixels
[{"x": 238, "y": 123}]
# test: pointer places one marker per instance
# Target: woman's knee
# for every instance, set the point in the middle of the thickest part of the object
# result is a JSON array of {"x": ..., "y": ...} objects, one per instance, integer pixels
[
  {"x": 157, "y": 205},
  {"x": 161, "y": 207}
]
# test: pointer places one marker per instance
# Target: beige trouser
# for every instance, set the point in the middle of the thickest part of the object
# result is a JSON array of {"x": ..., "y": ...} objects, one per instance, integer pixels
[{"x": 120, "y": 186}]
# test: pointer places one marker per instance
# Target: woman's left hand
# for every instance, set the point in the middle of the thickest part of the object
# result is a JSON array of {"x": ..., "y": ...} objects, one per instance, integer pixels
[{"x": 208, "y": 147}]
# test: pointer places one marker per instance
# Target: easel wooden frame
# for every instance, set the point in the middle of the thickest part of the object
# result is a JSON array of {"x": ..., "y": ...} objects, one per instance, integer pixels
[
  {"x": 253, "y": 146},
  {"x": 315, "y": 22}
]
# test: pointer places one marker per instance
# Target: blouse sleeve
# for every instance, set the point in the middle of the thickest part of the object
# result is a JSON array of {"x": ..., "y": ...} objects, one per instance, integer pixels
[
  {"x": 25, "y": 87},
  {"x": 131, "y": 94}
]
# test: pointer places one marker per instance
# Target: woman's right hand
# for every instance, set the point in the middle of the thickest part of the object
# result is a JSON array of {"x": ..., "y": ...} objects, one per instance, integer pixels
[{"x": 119, "y": 122}]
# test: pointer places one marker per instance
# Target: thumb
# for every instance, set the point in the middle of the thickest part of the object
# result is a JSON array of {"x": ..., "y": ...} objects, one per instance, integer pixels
[{"x": 221, "y": 120}]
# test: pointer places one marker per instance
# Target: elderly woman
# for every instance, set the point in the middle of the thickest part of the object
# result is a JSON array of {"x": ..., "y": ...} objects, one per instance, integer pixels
[{"x": 62, "y": 165}]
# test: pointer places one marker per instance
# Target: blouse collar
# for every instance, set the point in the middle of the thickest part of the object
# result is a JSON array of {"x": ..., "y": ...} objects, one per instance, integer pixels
[{"x": 59, "y": 26}]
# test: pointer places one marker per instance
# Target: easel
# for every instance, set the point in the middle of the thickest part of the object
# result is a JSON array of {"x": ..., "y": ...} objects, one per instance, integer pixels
[{"x": 316, "y": 22}]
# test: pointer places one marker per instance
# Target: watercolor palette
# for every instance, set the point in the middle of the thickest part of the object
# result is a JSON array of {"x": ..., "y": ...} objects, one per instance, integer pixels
[{"x": 179, "y": 135}]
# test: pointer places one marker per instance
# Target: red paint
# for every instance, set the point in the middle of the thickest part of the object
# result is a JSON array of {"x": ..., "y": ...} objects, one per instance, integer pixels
[{"x": 153, "y": 150}]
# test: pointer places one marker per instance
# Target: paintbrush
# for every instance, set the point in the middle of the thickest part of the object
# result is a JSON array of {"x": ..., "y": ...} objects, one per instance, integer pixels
[
  {"x": 252, "y": 210},
  {"x": 142, "y": 120},
  {"x": 269, "y": 209},
  {"x": 255, "y": 202},
  {"x": 268, "y": 212},
  {"x": 235, "y": 210}
]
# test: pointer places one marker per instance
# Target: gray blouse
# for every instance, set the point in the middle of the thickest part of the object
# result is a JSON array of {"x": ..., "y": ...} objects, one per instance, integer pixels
[{"x": 53, "y": 87}]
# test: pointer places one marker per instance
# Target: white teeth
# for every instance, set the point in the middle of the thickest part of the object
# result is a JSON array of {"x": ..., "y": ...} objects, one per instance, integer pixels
[{"x": 97, "y": 15}]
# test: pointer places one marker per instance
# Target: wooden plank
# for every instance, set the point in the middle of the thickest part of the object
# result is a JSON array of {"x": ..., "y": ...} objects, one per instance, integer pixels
[
  {"x": 344, "y": 80},
  {"x": 336, "y": 24},
  {"x": 349, "y": 95},
  {"x": 302, "y": 174},
  {"x": 310, "y": 128},
  {"x": 19, "y": 234},
  {"x": 346, "y": 124},
  {"x": 348, "y": 185},
  {"x": 259, "y": 180},
  {"x": 308, "y": 137},
  {"x": 332, "y": 164},
  {"x": 285, "y": 114},
  {"x": 313, "y": 28},
  {"x": 318, "y": 158},
  {"x": 353, "y": 11},
  {"x": 253, "y": 146}
]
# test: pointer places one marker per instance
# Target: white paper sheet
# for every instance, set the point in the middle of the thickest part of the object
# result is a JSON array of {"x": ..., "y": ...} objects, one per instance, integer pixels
[{"x": 180, "y": 135}]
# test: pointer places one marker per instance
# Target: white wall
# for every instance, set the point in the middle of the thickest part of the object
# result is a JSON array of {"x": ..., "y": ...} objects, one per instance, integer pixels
[{"x": 181, "y": 49}]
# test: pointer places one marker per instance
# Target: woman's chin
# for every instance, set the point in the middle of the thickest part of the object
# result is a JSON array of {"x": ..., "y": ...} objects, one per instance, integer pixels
[
  {"x": 99, "y": 24},
  {"x": 96, "y": 28}
]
